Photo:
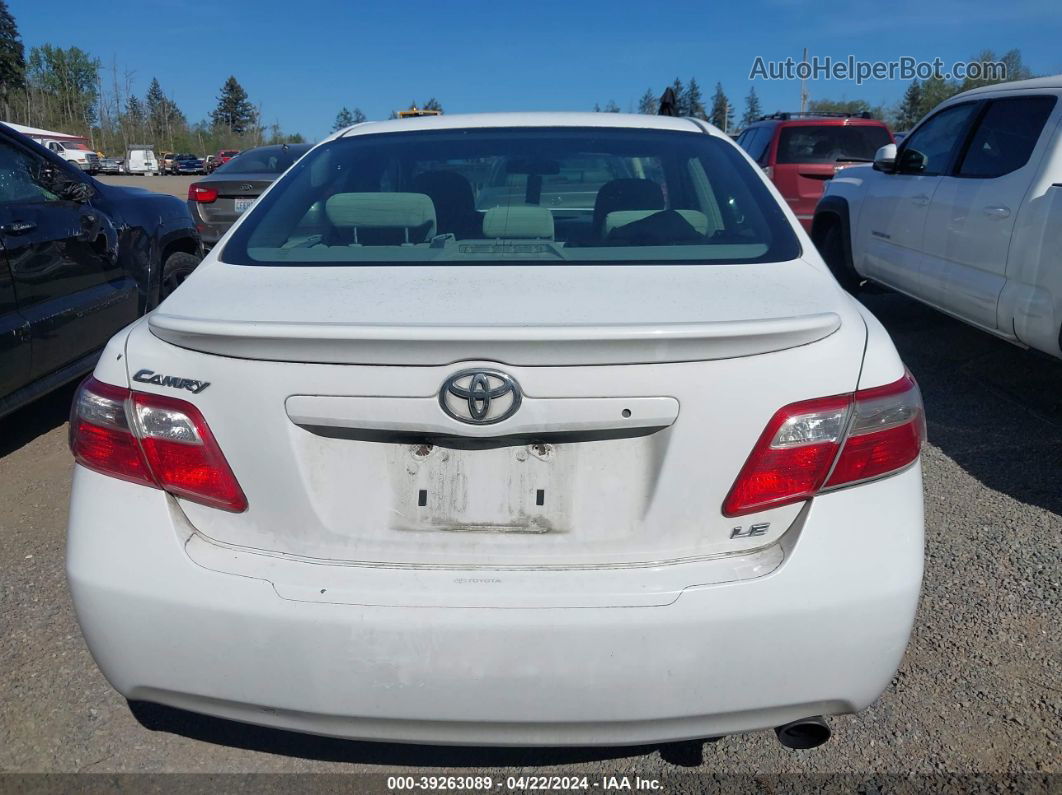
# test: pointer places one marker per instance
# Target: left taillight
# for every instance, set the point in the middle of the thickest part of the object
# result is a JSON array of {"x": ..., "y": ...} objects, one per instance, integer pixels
[
  {"x": 817, "y": 445},
  {"x": 152, "y": 440},
  {"x": 202, "y": 193}
]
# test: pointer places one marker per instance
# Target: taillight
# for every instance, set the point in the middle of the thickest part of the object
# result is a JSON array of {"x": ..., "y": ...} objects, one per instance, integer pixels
[
  {"x": 100, "y": 436},
  {"x": 202, "y": 193},
  {"x": 153, "y": 440},
  {"x": 886, "y": 433},
  {"x": 816, "y": 445}
]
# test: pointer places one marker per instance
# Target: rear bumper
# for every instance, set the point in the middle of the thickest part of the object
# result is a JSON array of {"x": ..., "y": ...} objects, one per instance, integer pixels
[
  {"x": 208, "y": 232},
  {"x": 821, "y": 634}
]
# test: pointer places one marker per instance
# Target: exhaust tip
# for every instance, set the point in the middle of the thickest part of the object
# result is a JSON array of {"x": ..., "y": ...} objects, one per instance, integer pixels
[{"x": 804, "y": 733}]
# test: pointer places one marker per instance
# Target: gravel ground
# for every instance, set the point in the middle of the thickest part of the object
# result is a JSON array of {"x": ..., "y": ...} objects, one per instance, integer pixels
[
  {"x": 975, "y": 705},
  {"x": 175, "y": 184}
]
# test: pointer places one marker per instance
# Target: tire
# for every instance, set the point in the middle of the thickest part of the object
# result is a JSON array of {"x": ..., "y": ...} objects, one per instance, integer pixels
[
  {"x": 832, "y": 250},
  {"x": 178, "y": 267}
]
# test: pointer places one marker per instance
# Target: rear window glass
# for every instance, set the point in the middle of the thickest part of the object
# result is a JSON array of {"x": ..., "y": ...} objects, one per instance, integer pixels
[
  {"x": 756, "y": 141},
  {"x": 830, "y": 143},
  {"x": 516, "y": 195},
  {"x": 267, "y": 160},
  {"x": 1006, "y": 136}
]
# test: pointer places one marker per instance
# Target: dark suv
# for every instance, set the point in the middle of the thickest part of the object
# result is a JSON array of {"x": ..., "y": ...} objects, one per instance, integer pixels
[
  {"x": 80, "y": 260},
  {"x": 801, "y": 151}
]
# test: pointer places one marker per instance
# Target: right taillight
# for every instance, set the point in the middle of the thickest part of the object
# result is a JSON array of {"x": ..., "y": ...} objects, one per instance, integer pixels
[
  {"x": 886, "y": 433},
  {"x": 153, "y": 440},
  {"x": 202, "y": 193},
  {"x": 821, "y": 444}
]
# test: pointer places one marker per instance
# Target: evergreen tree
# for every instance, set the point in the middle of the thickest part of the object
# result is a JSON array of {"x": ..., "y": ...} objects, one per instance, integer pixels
[
  {"x": 722, "y": 115},
  {"x": 692, "y": 101},
  {"x": 934, "y": 91},
  {"x": 12, "y": 57},
  {"x": 680, "y": 98},
  {"x": 165, "y": 119},
  {"x": 649, "y": 103},
  {"x": 910, "y": 110},
  {"x": 234, "y": 112},
  {"x": 343, "y": 120},
  {"x": 134, "y": 118},
  {"x": 154, "y": 100},
  {"x": 752, "y": 108},
  {"x": 612, "y": 107},
  {"x": 433, "y": 104}
]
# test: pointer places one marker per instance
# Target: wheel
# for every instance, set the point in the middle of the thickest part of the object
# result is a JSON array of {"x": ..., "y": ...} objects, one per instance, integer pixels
[
  {"x": 832, "y": 250},
  {"x": 178, "y": 267}
]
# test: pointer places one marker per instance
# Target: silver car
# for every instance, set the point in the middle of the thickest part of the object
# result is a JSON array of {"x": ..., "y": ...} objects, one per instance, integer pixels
[{"x": 220, "y": 198}]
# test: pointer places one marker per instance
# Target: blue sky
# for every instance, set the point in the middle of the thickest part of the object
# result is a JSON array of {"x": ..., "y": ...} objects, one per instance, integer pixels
[{"x": 303, "y": 61}]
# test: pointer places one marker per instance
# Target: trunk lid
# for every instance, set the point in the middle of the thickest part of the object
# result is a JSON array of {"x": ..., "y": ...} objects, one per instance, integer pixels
[
  {"x": 621, "y": 453},
  {"x": 511, "y": 314},
  {"x": 241, "y": 188}
]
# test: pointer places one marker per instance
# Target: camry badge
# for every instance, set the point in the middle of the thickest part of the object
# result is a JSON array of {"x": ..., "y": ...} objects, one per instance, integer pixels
[
  {"x": 480, "y": 397},
  {"x": 176, "y": 382}
]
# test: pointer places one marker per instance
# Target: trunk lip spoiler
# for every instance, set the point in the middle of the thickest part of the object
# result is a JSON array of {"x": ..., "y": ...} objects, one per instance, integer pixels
[{"x": 426, "y": 344}]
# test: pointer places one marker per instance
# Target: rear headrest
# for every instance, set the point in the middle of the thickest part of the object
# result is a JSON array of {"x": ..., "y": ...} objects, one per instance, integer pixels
[
  {"x": 519, "y": 222},
  {"x": 694, "y": 218},
  {"x": 627, "y": 194},
  {"x": 453, "y": 188},
  {"x": 412, "y": 211}
]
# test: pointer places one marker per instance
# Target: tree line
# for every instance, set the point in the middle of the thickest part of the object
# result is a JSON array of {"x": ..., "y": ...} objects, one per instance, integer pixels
[
  {"x": 920, "y": 97},
  {"x": 69, "y": 90}
]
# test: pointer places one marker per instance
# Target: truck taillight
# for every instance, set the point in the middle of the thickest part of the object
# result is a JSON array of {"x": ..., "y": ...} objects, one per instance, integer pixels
[
  {"x": 152, "y": 440},
  {"x": 817, "y": 445},
  {"x": 202, "y": 193}
]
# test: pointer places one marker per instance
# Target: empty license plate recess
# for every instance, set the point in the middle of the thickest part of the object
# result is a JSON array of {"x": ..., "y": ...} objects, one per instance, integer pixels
[{"x": 537, "y": 488}]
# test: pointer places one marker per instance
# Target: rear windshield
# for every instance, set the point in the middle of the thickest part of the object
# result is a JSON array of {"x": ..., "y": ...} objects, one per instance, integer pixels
[
  {"x": 267, "y": 160},
  {"x": 517, "y": 195},
  {"x": 830, "y": 143}
]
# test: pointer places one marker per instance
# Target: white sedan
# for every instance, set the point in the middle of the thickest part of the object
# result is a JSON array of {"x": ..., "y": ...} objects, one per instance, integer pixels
[{"x": 514, "y": 429}]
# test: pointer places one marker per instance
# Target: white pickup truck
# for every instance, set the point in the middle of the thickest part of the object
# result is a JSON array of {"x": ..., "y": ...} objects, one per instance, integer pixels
[
  {"x": 965, "y": 215},
  {"x": 77, "y": 155}
]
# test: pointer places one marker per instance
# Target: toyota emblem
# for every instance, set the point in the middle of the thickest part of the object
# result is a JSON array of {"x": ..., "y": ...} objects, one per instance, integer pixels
[{"x": 480, "y": 397}]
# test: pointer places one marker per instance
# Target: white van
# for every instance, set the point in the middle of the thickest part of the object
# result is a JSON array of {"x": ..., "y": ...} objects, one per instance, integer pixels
[{"x": 141, "y": 160}]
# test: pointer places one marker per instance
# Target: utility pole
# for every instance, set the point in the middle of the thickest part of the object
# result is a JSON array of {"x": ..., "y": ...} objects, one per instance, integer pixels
[{"x": 804, "y": 84}]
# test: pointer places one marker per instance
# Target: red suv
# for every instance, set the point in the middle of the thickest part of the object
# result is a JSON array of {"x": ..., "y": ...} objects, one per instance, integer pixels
[
  {"x": 801, "y": 151},
  {"x": 222, "y": 157}
]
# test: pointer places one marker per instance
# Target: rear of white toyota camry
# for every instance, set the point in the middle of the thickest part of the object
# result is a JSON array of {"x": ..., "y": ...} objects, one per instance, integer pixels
[{"x": 509, "y": 430}]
